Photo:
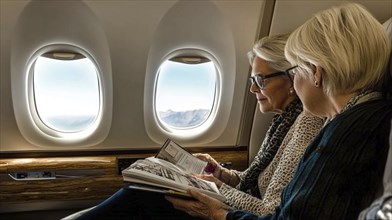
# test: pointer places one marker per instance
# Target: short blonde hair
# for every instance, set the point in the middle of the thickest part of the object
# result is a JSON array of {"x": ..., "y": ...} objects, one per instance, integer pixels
[
  {"x": 349, "y": 44},
  {"x": 271, "y": 49}
]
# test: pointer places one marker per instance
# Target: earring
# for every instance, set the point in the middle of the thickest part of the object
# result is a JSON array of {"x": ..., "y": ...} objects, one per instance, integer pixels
[
  {"x": 292, "y": 91},
  {"x": 316, "y": 83}
]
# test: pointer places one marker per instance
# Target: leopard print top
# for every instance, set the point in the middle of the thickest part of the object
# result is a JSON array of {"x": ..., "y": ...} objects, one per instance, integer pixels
[
  {"x": 276, "y": 176},
  {"x": 278, "y": 128}
]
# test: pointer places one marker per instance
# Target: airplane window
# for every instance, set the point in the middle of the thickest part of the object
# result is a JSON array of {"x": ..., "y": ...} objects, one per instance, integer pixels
[
  {"x": 185, "y": 92},
  {"x": 66, "y": 91}
]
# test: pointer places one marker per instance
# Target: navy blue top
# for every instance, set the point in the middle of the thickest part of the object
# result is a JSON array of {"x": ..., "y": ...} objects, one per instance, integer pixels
[{"x": 341, "y": 170}]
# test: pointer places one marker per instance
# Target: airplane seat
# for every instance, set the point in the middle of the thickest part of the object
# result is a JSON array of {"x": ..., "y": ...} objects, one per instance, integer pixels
[
  {"x": 381, "y": 208},
  {"x": 388, "y": 27}
]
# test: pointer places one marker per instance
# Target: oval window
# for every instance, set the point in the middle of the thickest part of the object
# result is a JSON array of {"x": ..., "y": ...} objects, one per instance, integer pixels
[
  {"x": 66, "y": 91},
  {"x": 185, "y": 91}
]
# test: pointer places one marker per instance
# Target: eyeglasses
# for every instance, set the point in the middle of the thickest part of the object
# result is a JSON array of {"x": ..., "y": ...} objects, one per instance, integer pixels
[
  {"x": 258, "y": 79},
  {"x": 291, "y": 72}
]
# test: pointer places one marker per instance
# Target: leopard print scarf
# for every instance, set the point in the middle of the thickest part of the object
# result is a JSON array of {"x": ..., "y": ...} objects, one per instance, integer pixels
[{"x": 279, "y": 126}]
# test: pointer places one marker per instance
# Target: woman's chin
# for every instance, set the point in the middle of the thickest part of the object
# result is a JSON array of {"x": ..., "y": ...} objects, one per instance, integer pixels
[{"x": 264, "y": 109}]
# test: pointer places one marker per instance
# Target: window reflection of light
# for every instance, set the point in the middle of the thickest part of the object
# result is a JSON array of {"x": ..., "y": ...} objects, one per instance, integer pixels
[
  {"x": 66, "y": 93},
  {"x": 185, "y": 93}
]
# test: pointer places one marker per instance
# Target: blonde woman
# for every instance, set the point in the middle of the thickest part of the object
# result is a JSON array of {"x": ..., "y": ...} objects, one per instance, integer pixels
[
  {"x": 340, "y": 56},
  {"x": 260, "y": 186}
]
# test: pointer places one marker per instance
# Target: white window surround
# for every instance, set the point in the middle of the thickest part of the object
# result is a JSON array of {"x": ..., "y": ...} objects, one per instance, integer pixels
[
  {"x": 207, "y": 130},
  {"x": 32, "y": 122},
  {"x": 67, "y": 90},
  {"x": 31, "y": 38},
  {"x": 192, "y": 38},
  {"x": 32, "y": 103},
  {"x": 203, "y": 127}
]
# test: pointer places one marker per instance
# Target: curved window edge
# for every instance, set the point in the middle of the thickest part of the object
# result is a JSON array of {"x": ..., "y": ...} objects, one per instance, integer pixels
[
  {"x": 187, "y": 60},
  {"x": 155, "y": 128},
  {"x": 40, "y": 110},
  {"x": 29, "y": 122}
]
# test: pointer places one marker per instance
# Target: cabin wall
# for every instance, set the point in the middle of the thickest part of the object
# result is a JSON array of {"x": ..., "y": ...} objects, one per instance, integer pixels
[
  {"x": 129, "y": 35},
  {"x": 129, "y": 28},
  {"x": 290, "y": 14}
]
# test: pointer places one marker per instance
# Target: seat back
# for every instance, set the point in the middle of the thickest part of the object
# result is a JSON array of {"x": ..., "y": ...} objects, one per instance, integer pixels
[
  {"x": 387, "y": 87},
  {"x": 381, "y": 208}
]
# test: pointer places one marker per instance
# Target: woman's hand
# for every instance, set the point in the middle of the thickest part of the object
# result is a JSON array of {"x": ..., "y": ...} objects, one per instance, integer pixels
[
  {"x": 203, "y": 206},
  {"x": 210, "y": 178},
  {"x": 213, "y": 166}
]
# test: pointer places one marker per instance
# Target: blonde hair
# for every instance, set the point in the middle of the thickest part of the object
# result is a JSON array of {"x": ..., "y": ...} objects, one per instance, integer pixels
[
  {"x": 271, "y": 49},
  {"x": 349, "y": 44}
]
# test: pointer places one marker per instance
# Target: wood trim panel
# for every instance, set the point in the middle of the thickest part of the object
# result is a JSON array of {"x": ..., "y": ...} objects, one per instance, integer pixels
[{"x": 97, "y": 187}]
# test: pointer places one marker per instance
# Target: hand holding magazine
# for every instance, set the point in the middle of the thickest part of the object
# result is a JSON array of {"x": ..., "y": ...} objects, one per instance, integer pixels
[{"x": 170, "y": 171}]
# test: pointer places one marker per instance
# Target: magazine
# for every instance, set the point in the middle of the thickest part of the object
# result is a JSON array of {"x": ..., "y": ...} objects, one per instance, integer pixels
[
  {"x": 170, "y": 172},
  {"x": 177, "y": 155}
]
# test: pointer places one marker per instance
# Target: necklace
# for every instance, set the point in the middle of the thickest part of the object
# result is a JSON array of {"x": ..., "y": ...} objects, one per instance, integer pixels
[{"x": 361, "y": 97}]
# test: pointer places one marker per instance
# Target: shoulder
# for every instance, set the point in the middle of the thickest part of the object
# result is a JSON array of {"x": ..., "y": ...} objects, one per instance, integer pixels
[
  {"x": 306, "y": 121},
  {"x": 366, "y": 114}
]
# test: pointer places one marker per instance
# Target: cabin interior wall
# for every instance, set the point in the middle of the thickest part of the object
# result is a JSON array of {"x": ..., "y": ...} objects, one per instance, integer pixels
[
  {"x": 129, "y": 41},
  {"x": 129, "y": 32}
]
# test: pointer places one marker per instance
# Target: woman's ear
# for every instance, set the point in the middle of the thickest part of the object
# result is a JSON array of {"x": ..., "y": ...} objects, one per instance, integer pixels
[
  {"x": 318, "y": 76},
  {"x": 292, "y": 90}
]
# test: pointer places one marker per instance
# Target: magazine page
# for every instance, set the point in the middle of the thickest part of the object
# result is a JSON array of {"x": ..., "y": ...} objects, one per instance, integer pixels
[
  {"x": 162, "y": 190},
  {"x": 151, "y": 173},
  {"x": 166, "y": 164},
  {"x": 177, "y": 155}
]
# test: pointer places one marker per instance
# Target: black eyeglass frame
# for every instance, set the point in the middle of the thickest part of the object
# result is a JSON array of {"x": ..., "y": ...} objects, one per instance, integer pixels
[
  {"x": 260, "y": 83},
  {"x": 291, "y": 75}
]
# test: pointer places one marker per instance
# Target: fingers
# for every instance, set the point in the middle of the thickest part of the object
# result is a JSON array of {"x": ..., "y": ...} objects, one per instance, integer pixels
[
  {"x": 206, "y": 177},
  {"x": 205, "y": 157},
  {"x": 177, "y": 203},
  {"x": 203, "y": 206},
  {"x": 213, "y": 167},
  {"x": 192, "y": 207},
  {"x": 198, "y": 195},
  {"x": 210, "y": 178},
  {"x": 208, "y": 207}
]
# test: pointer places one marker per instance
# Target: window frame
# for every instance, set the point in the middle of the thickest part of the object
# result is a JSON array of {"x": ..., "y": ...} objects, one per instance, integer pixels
[
  {"x": 42, "y": 127},
  {"x": 165, "y": 125},
  {"x": 194, "y": 131}
]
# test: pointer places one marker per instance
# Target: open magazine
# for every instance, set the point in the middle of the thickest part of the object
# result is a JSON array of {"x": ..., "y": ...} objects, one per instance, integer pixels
[{"x": 170, "y": 172}]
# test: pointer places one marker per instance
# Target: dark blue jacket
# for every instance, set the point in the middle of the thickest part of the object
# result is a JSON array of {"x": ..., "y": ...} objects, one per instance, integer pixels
[{"x": 341, "y": 170}]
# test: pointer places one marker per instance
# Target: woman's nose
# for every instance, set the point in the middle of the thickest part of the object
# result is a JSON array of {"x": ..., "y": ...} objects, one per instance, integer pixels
[{"x": 254, "y": 88}]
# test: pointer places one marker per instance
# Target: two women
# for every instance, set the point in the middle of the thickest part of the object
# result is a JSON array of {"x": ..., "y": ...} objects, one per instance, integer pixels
[
  {"x": 339, "y": 56},
  {"x": 261, "y": 184},
  {"x": 258, "y": 188}
]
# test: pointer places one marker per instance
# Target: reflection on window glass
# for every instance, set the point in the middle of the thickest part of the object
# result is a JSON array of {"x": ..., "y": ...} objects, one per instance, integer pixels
[
  {"x": 185, "y": 93},
  {"x": 66, "y": 93}
]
